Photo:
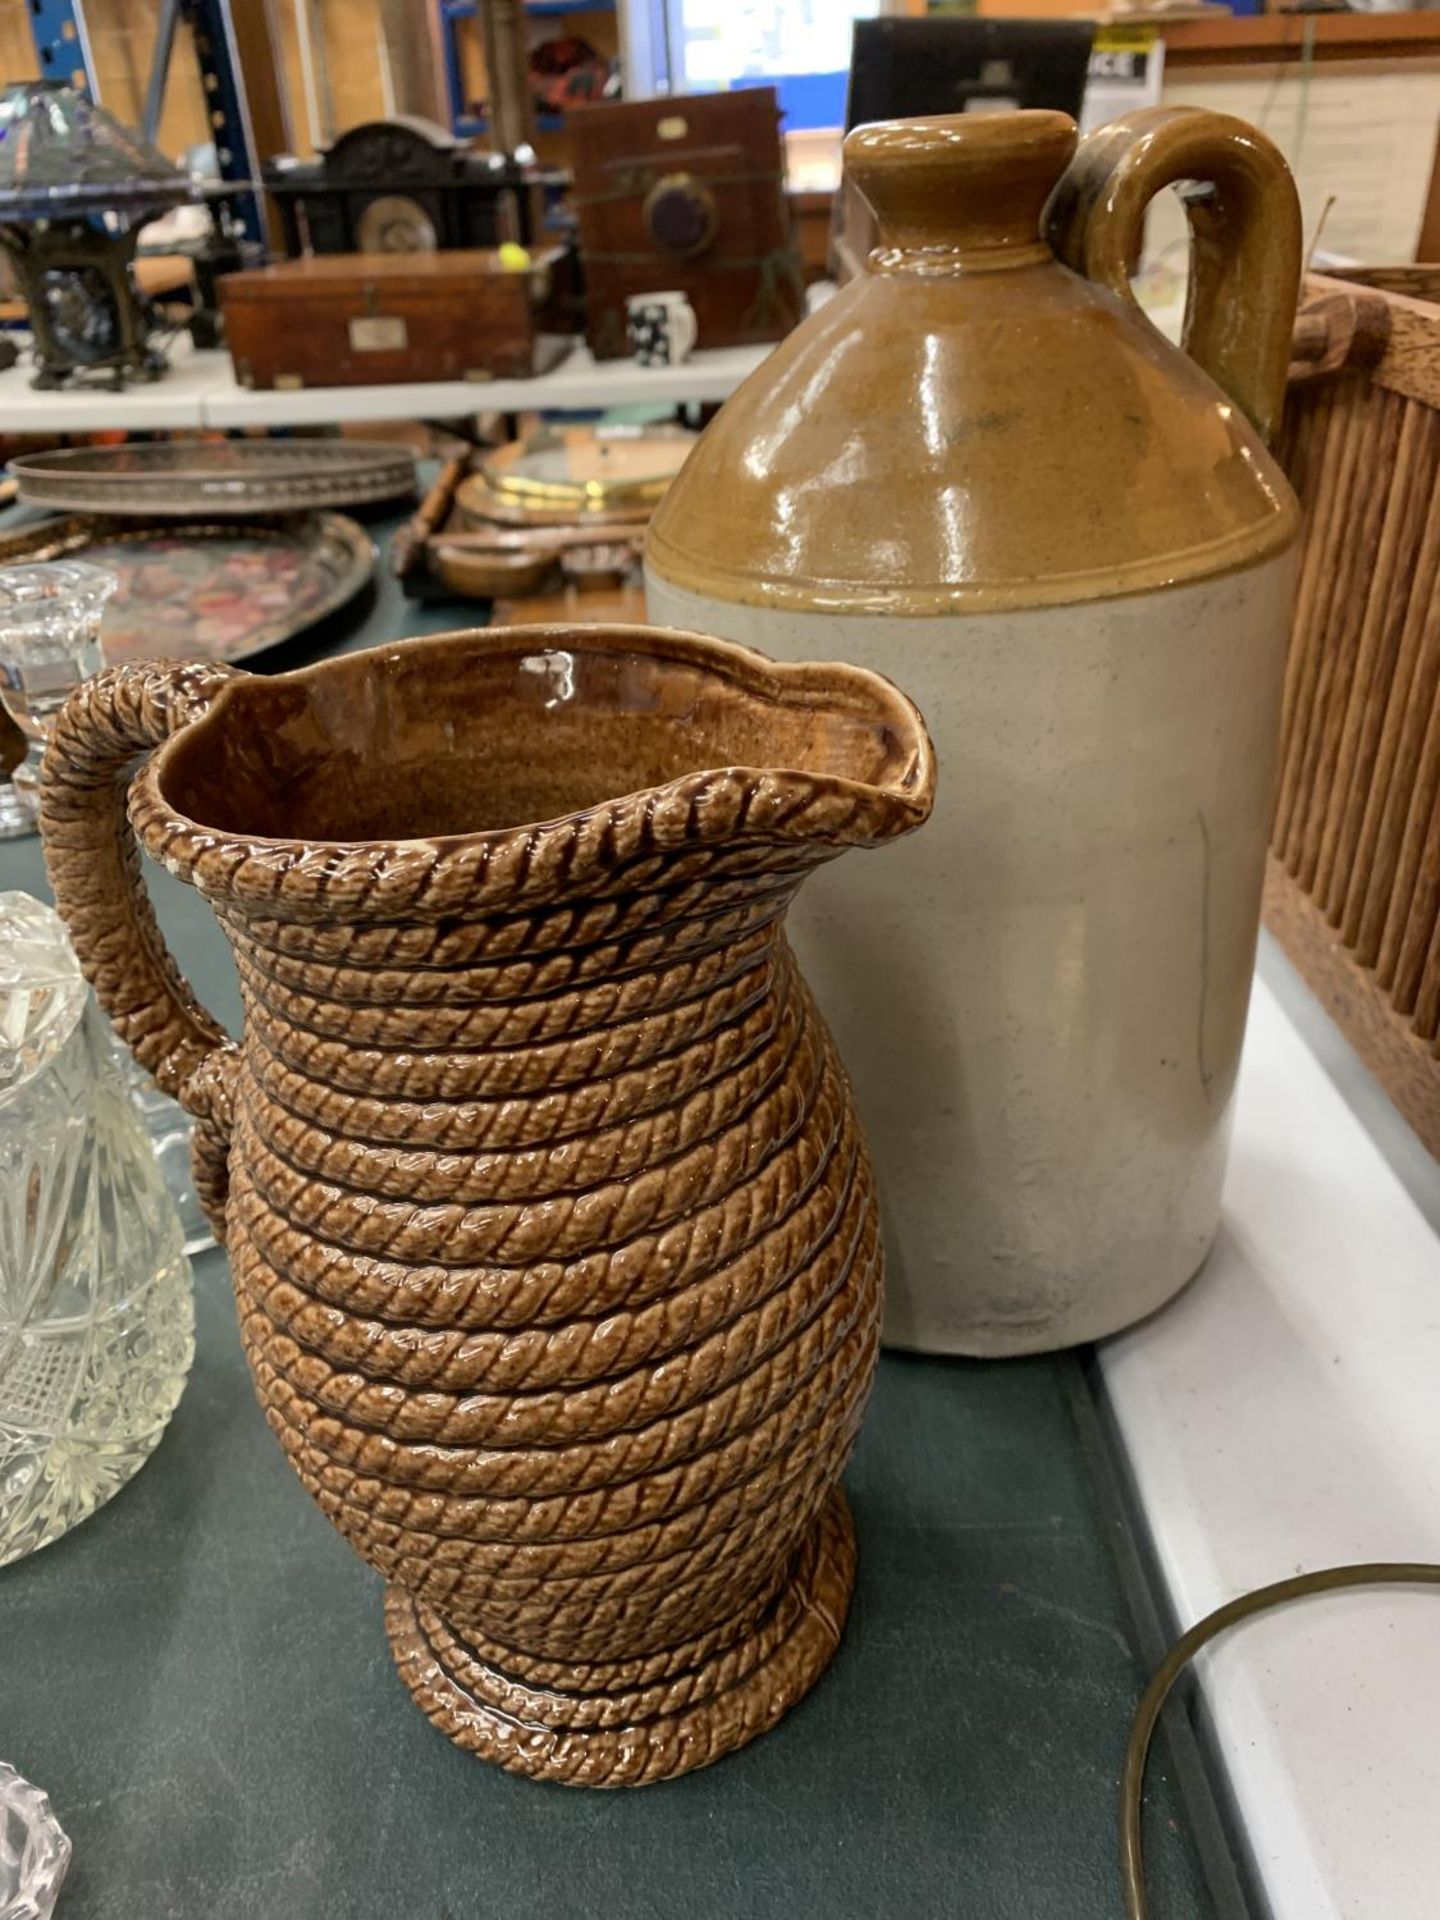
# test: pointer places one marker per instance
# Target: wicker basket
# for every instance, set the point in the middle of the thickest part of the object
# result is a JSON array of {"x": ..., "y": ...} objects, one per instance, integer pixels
[{"x": 1354, "y": 879}]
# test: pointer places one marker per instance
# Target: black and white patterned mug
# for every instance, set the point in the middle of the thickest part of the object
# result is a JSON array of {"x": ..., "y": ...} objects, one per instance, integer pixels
[{"x": 662, "y": 328}]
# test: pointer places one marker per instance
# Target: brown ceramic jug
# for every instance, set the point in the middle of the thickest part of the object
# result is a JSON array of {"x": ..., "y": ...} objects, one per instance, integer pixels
[
  {"x": 550, "y": 1225},
  {"x": 981, "y": 470}
]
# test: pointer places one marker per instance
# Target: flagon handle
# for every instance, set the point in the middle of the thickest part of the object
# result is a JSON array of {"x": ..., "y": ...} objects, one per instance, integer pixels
[
  {"x": 1245, "y": 237},
  {"x": 94, "y": 866}
]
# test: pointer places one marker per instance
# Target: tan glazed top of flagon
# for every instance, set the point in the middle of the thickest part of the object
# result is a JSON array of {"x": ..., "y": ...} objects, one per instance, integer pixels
[{"x": 986, "y": 418}]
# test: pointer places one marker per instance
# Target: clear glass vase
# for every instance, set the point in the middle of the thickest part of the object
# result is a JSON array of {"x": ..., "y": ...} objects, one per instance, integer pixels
[
  {"x": 50, "y": 617},
  {"x": 96, "y": 1317},
  {"x": 169, "y": 1129}
]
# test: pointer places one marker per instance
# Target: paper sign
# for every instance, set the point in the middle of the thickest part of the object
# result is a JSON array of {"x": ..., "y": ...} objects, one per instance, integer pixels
[{"x": 1127, "y": 67}]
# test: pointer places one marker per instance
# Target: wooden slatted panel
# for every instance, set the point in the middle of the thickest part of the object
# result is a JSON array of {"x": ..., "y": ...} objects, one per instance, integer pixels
[
  {"x": 1369, "y": 507},
  {"x": 1336, "y": 454},
  {"x": 1411, "y": 916},
  {"x": 1305, "y": 442},
  {"x": 1387, "y": 608},
  {"x": 1371, "y": 661},
  {"x": 1427, "y": 1006},
  {"x": 1354, "y": 887},
  {"x": 1407, "y": 706},
  {"x": 1362, "y": 420}
]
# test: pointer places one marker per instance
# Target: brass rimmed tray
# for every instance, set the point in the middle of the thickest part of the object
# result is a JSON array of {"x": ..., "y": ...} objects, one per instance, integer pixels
[
  {"x": 193, "y": 478},
  {"x": 561, "y": 475}
]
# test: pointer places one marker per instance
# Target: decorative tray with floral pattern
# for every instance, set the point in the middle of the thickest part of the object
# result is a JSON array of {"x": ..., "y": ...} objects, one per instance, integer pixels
[{"x": 211, "y": 590}]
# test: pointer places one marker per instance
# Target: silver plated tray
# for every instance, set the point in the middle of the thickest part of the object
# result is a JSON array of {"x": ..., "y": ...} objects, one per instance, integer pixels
[
  {"x": 190, "y": 479},
  {"x": 208, "y": 590}
]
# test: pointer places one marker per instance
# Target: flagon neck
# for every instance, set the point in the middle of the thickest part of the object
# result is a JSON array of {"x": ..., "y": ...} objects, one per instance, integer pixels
[{"x": 962, "y": 192}]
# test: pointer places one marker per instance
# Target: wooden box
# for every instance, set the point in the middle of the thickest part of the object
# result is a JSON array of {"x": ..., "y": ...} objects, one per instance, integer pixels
[
  {"x": 686, "y": 193},
  {"x": 362, "y": 319},
  {"x": 1353, "y": 891}
]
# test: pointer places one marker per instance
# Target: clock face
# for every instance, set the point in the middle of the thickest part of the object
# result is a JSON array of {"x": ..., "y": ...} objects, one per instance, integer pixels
[
  {"x": 84, "y": 319},
  {"x": 395, "y": 224}
]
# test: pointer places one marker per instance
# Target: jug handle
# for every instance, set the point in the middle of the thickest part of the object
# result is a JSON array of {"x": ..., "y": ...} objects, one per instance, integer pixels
[
  {"x": 1245, "y": 237},
  {"x": 94, "y": 867}
]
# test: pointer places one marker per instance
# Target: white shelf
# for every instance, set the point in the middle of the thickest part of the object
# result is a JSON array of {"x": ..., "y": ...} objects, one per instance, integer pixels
[
  {"x": 175, "y": 401},
  {"x": 579, "y": 381},
  {"x": 200, "y": 391},
  {"x": 1284, "y": 1414}
]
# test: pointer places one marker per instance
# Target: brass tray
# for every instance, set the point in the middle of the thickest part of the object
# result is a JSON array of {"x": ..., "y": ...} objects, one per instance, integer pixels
[
  {"x": 190, "y": 478},
  {"x": 563, "y": 474},
  {"x": 208, "y": 590}
]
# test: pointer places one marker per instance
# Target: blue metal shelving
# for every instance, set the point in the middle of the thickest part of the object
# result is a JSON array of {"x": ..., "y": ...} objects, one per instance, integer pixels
[
  {"x": 61, "y": 43},
  {"x": 63, "y": 49}
]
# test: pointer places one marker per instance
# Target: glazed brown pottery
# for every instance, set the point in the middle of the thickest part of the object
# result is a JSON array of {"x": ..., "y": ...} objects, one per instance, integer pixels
[{"x": 552, "y": 1232}]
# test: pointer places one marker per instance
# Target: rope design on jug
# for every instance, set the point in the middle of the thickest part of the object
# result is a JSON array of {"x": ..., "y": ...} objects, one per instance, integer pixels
[
  {"x": 770, "y": 1604},
  {"x": 730, "y": 820},
  {"x": 732, "y": 943},
  {"x": 451, "y": 1357},
  {"x": 656, "y": 1748},
  {"x": 560, "y": 1290},
  {"x": 731, "y": 1429},
  {"x": 729, "y": 1056},
  {"x": 603, "y": 936},
  {"x": 422, "y": 1537},
  {"x": 548, "y": 1294},
  {"x": 607, "y": 1574},
  {"x": 587, "y": 1166},
  {"x": 547, "y": 1417},
  {"x": 553, "y": 1238},
  {"x": 305, "y": 1027},
  {"x": 583, "y": 1625},
  {"x": 742, "y": 1651},
  {"x": 526, "y": 1518},
  {"x": 94, "y": 866}
]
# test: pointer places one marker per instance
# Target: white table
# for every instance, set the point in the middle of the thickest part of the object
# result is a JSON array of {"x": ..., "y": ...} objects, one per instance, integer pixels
[
  {"x": 1282, "y": 1415},
  {"x": 172, "y": 403},
  {"x": 579, "y": 381},
  {"x": 200, "y": 391}
]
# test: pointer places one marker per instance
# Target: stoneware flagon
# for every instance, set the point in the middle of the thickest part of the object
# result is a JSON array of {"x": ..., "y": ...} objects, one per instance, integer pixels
[
  {"x": 551, "y": 1228},
  {"x": 980, "y": 469}
]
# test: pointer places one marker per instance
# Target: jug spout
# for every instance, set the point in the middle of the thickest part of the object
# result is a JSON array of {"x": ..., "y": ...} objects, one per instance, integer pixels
[{"x": 486, "y": 770}]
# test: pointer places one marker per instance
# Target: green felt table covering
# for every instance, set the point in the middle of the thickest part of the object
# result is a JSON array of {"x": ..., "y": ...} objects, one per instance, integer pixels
[{"x": 199, "y": 1677}]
